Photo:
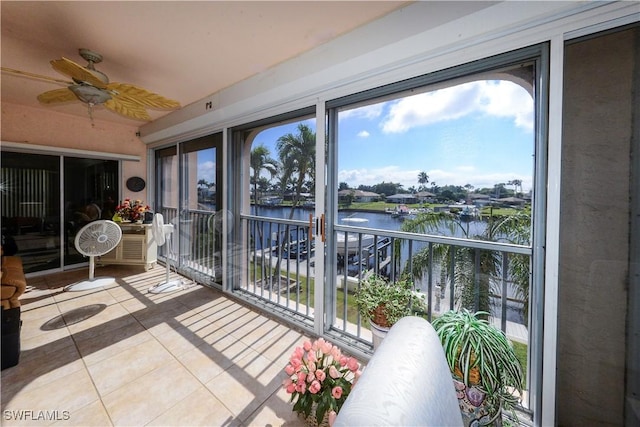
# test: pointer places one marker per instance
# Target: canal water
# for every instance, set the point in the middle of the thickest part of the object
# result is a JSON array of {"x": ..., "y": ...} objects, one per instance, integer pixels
[
  {"x": 385, "y": 221},
  {"x": 379, "y": 220}
]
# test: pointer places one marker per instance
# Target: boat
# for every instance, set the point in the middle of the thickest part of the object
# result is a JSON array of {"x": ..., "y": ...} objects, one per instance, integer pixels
[
  {"x": 400, "y": 211},
  {"x": 355, "y": 220},
  {"x": 353, "y": 242},
  {"x": 298, "y": 249},
  {"x": 370, "y": 256},
  {"x": 467, "y": 212}
]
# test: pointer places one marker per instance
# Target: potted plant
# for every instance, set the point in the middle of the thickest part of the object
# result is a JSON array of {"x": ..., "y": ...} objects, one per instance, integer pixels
[
  {"x": 384, "y": 303},
  {"x": 319, "y": 379},
  {"x": 131, "y": 211},
  {"x": 486, "y": 372}
]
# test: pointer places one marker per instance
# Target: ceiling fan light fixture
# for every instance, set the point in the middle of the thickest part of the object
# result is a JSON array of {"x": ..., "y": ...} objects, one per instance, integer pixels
[{"x": 89, "y": 94}]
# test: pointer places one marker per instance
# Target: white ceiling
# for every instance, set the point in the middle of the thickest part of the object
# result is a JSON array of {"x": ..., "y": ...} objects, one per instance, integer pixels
[{"x": 182, "y": 50}]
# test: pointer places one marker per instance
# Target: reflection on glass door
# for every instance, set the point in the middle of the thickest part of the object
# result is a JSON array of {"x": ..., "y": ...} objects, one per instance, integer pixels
[
  {"x": 30, "y": 189},
  {"x": 38, "y": 222},
  {"x": 90, "y": 193}
]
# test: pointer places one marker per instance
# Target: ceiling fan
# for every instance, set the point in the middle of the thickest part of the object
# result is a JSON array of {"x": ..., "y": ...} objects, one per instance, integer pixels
[{"x": 93, "y": 88}]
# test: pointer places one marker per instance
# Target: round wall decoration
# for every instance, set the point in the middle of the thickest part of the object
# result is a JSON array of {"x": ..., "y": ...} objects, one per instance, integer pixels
[{"x": 135, "y": 183}]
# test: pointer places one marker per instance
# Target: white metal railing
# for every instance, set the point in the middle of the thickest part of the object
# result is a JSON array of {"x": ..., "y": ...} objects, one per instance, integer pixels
[{"x": 454, "y": 272}]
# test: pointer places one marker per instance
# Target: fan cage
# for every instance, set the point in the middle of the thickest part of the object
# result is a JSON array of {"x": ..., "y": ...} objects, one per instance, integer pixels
[{"x": 98, "y": 237}]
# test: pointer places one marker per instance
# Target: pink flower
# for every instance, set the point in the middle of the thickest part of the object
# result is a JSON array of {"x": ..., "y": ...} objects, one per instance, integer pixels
[
  {"x": 307, "y": 345},
  {"x": 296, "y": 362},
  {"x": 343, "y": 360},
  {"x": 335, "y": 353},
  {"x": 333, "y": 372},
  {"x": 353, "y": 364},
  {"x": 311, "y": 357},
  {"x": 301, "y": 376},
  {"x": 320, "y": 375},
  {"x": 289, "y": 385},
  {"x": 336, "y": 392},
  {"x": 301, "y": 386},
  {"x": 326, "y": 347},
  {"x": 315, "y": 387},
  {"x": 332, "y": 417},
  {"x": 311, "y": 366},
  {"x": 289, "y": 369}
]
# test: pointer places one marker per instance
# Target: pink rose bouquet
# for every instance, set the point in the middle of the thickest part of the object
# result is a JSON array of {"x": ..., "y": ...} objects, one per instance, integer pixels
[
  {"x": 131, "y": 210},
  {"x": 318, "y": 373}
]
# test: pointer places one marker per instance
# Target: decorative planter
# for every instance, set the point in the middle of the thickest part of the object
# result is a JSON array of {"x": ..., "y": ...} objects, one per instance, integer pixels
[
  {"x": 378, "y": 333},
  {"x": 473, "y": 407},
  {"x": 379, "y": 318},
  {"x": 311, "y": 420}
]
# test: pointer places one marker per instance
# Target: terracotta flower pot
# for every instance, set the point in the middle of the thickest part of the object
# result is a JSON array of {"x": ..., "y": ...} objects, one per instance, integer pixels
[{"x": 379, "y": 318}]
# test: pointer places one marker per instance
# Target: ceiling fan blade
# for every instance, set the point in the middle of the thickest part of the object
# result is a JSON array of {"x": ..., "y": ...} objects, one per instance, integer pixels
[
  {"x": 57, "y": 95},
  {"x": 77, "y": 72},
  {"x": 141, "y": 96},
  {"x": 127, "y": 109},
  {"x": 34, "y": 76}
]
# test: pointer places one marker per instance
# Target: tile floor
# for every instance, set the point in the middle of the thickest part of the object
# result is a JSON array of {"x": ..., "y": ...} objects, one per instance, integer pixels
[{"x": 120, "y": 356}]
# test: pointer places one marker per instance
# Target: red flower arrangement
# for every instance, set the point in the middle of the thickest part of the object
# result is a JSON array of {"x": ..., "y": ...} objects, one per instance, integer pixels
[
  {"x": 131, "y": 210},
  {"x": 320, "y": 377}
]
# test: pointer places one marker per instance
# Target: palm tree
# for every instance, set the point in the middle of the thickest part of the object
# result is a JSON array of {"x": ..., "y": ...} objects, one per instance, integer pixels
[
  {"x": 298, "y": 157},
  {"x": 469, "y": 187},
  {"x": 473, "y": 268},
  {"x": 297, "y": 154},
  {"x": 516, "y": 183},
  {"x": 261, "y": 160},
  {"x": 423, "y": 179}
]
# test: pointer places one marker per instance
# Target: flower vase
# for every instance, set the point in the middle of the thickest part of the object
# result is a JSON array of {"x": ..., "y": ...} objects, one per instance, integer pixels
[{"x": 312, "y": 421}]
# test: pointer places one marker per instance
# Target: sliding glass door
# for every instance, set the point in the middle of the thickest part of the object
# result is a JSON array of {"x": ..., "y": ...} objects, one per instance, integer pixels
[
  {"x": 31, "y": 215},
  {"x": 90, "y": 193},
  {"x": 46, "y": 199},
  {"x": 189, "y": 177}
]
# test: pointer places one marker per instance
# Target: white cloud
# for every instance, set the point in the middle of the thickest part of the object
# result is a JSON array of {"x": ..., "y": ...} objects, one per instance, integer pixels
[
  {"x": 207, "y": 171},
  {"x": 506, "y": 99},
  {"x": 356, "y": 177},
  {"x": 495, "y": 98},
  {"x": 370, "y": 112},
  {"x": 363, "y": 134}
]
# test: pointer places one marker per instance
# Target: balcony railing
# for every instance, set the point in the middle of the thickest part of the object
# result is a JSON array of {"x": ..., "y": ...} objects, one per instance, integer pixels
[
  {"x": 450, "y": 272},
  {"x": 196, "y": 244}
]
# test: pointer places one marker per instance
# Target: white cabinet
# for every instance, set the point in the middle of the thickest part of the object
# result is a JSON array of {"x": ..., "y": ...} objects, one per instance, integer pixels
[{"x": 137, "y": 247}]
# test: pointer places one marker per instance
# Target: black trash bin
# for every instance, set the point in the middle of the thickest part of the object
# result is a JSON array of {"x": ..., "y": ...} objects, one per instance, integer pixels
[{"x": 11, "y": 325}]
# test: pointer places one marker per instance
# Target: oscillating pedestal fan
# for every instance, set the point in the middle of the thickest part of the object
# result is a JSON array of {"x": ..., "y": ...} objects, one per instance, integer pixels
[
  {"x": 95, "y": 239},
  {"x": 162, "y": 234}
]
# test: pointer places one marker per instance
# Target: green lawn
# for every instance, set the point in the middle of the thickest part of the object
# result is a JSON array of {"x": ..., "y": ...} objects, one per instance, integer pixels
[{"x": 382, "y": 206}]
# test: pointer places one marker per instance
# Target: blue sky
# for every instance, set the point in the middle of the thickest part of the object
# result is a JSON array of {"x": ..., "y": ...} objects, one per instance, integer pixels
[{"x": 478, "y": 133}]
